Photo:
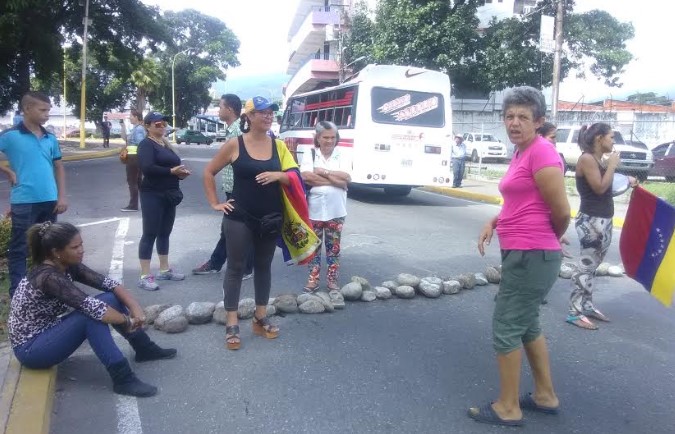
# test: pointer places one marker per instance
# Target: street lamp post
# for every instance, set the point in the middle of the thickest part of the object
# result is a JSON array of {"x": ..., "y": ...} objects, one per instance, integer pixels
[
  {"x": 83, "y": 99},
  {"x": 173, "y": 92}
]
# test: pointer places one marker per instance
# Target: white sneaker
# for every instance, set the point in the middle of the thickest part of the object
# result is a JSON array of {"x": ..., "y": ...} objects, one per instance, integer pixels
[
  {"x": 148, "y": 283},
  {"x": 247, "y": 276}
]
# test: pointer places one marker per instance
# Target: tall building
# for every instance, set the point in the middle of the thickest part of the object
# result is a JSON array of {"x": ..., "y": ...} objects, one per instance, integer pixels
[{"x": 314, "y": 40}]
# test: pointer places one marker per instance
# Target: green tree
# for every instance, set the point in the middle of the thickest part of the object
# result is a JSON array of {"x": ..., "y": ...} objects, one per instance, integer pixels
[
  {"x": 443, "y": 35},
  {"x": 147, "y": 79},
  {"x": 649, "y": 98},
  {"x": 359, "y": 39},
  {"x": 33, "y": 32},
  {"x": 209, "y": 46}
]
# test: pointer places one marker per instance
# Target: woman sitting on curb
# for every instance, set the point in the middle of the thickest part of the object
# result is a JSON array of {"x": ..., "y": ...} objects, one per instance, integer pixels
[{"x": 41, "y": 337}]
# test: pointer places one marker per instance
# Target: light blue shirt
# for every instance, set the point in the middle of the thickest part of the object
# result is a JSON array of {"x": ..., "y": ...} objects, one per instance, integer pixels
[
  {"x": 32, "y": 159},
  {"x": 458, "y": 151},
  {"x": 137, "y": 135}
]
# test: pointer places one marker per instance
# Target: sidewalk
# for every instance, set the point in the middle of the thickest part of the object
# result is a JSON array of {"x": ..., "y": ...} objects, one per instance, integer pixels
[
  {"x": 481, "y": 189},
  {"x": 27, "y": 395}
]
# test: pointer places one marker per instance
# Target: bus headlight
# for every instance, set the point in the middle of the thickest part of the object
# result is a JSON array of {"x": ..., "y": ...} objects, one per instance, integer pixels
[{"x": 428, "y": 149}]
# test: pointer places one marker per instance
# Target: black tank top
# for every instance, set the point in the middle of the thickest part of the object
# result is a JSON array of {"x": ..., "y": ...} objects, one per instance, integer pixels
[
  {"x": 593, "y": 204},
  {"x": 257, "y": 200}
]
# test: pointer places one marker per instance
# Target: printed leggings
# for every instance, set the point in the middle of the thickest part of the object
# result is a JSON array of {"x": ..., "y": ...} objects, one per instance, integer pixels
[
  {"x": 330, "y": 233},
  {"x": 595, "y": 236}
]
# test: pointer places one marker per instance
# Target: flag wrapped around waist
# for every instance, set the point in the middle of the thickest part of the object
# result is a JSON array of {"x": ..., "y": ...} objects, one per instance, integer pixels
[
  {"x": 647, "y": 244},
  {"x": 298, "y": 241}
]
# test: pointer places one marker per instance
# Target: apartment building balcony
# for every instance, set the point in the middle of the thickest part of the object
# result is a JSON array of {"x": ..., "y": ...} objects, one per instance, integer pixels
[
  {"x": 316, "y": 29},
  {"x": 313, "y": 74}
]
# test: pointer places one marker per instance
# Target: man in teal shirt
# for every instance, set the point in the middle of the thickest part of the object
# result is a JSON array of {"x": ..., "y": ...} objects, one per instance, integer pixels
[{"x": 37, "y": 178}]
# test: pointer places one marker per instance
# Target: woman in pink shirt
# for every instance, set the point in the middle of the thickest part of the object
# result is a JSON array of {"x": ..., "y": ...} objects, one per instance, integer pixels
[{"x": 535, "y": 215}]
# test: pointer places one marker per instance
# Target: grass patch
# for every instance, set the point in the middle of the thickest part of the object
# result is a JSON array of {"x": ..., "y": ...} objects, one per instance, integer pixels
[{"x": 664, "y": 190}]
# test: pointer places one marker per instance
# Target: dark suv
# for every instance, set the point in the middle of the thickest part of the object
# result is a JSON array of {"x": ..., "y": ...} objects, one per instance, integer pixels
[{"x": 191, "y": 136}]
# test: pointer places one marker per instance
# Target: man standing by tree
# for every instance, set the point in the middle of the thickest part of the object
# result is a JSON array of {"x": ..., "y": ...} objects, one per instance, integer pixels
[
  {"x": 36, "y": 175},
  {"x": 230, "y": 110},
  {"x": 458, "y": 157},
  {"x": 105, "y": 131}
]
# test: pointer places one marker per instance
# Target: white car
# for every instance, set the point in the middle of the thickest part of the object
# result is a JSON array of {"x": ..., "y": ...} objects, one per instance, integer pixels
[
  {"x": 485, "y": 146},
  {"x": 635, "y": 161}
]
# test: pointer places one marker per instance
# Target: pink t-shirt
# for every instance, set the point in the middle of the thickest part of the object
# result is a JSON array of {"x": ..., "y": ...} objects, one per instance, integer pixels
[{"x": 524, "y": 222}]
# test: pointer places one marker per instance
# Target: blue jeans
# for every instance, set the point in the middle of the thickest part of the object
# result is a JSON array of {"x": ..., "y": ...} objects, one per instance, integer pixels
[
  {"x": 458, "y": 171},
  {"x": 24, "y": 215},
  {"x": 219, "y": 254},
  {"x": 54, "y": 345}
]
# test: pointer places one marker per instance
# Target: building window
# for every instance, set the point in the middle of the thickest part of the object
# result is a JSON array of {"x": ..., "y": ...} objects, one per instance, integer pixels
[{"x": 326, "y": 51}]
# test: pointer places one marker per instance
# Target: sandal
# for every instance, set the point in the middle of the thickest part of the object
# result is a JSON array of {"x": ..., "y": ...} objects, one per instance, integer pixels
[
  {"x": 596, "y": 314},
  {"x": 263, "y": 327},
  {"x": 232, "y": 337},
  {"x": 487, "y": 414},
  {"x": 527, "y": 402},
  {"x": 581, "y": 321},
  {"x": 332, "y": 286}
]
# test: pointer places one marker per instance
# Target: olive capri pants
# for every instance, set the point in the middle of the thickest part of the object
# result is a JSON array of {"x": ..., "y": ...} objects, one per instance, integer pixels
[{"x": 527, "y": 277}]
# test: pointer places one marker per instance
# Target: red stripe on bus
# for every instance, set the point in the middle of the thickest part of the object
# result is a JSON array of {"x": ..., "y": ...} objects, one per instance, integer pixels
[{"x": 293, "y": 142}]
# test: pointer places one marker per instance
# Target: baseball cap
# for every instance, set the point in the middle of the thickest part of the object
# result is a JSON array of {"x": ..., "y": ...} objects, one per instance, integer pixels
[
  {"x": 154, "y": 117},
  {"x": 258, "y": 103},
  {"x": 459, "y": 135}
]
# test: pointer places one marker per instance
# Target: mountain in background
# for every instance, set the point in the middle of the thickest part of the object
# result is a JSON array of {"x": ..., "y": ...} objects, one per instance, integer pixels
[{"x": 267, "y": 85}]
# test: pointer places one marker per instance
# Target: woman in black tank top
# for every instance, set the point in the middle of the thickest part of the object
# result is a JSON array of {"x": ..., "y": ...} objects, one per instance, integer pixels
[
  {"x": 257, "y": 193},
  {"x": 594, "y": 220}
]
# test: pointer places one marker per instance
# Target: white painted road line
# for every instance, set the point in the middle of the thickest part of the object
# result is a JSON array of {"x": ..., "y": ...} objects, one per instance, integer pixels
[
  {"x": 128, "y": 416},
  {"x": 100, "y": 222}
]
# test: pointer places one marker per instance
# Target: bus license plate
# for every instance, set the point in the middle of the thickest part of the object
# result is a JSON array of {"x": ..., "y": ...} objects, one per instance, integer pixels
[{"x": 406, "y": 163}]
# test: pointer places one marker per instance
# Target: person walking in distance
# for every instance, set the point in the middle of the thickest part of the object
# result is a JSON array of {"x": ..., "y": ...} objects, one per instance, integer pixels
[
  {"x": 105, "y": 131},
  {"x": 134, "y": 175},
  {"x": 37, "y": 178},
  {"x": 160, "y": 195},
  {"x": 230, "y": 111},
  {"x": 458, "y": 158}
]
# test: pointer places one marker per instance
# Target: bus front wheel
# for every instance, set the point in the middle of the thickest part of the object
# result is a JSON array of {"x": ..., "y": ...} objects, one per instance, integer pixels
[{"x": 397, "y": 190}]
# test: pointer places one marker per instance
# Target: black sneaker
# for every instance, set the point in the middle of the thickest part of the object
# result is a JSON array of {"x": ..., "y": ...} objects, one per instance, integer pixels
[{"x": 205, "y": 268}]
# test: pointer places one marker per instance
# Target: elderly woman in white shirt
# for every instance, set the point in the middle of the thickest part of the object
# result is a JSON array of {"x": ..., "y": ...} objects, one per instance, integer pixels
[{"x": 326, "y": 170}]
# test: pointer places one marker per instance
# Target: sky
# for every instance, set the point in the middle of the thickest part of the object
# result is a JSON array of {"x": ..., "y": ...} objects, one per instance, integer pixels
[{"x": 262, "y": 28}]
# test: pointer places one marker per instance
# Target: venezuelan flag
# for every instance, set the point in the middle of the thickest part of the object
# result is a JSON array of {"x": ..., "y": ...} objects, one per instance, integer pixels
[{"x": 647, "y": 244}]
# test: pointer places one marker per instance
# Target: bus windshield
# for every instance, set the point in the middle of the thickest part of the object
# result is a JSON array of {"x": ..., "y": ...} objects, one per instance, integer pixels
[{"x": 405, "y": 107}]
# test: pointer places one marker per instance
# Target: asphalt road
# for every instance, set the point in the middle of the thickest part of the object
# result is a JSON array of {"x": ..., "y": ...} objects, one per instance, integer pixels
[{"x": 393, "y": 366}]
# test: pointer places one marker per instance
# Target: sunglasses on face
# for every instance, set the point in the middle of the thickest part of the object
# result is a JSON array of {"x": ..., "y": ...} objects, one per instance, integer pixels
[{"x": 160, "y": 124}]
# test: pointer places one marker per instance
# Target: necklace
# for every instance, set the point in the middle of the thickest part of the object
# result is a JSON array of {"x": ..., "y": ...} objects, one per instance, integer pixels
[{"x": 156, "y": 141}]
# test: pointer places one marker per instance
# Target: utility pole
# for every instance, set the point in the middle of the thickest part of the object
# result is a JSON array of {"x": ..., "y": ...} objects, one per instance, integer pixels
[
  {"x": 556, "y": 59},
  {"x": 83, "y": 99}
]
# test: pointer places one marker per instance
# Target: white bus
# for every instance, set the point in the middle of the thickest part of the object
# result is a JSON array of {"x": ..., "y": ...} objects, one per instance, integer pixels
[{"x": 396, "y": 120}]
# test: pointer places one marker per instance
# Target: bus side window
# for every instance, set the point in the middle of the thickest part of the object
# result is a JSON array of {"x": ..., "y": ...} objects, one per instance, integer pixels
[{"x": 306, "y": 122}]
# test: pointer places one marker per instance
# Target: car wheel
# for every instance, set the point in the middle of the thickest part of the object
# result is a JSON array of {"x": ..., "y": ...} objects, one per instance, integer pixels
[
  {"x": 641, "y": 176},
  {"x": 670, "y": 178},
  {"x": 474, "y": 156}
]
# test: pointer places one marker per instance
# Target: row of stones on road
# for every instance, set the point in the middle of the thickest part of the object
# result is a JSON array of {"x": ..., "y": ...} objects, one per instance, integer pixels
[
  {"x": 175, "y": 319},
  {"x": 567, "y": 269}
]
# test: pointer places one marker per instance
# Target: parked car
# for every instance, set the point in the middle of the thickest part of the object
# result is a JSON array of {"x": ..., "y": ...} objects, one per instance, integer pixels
[
  {"x": 664, "y": 161},
  {"x": 484, "y": 145},
  {"x": 634, "y": 160},
  {"x": 191, "y": 136}
]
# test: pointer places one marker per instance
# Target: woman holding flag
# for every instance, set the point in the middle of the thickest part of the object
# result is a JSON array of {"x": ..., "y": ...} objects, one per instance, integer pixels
[
  {"x": 594, "y": 221},
  {"x": 267, "y": 186}
]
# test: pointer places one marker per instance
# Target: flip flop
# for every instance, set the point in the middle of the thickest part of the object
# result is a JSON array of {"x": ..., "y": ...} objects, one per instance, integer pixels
[
  {"x": 527, "y": 403},
  {"x": 311, "y": 289},
  {"x": 486, "y": 414},
  {"x": 596, "y": 314},
  {"x": 581, "y": 321}
]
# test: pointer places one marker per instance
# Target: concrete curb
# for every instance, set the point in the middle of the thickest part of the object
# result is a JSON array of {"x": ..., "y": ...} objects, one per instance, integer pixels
[
  {"x": 486, "y": 198},
  {"x": 84, "y": 155},
  {"x": 27, "y": 399}
]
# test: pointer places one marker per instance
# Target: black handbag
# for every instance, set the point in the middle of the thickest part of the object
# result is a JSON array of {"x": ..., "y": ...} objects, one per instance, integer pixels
[
  {"x": 174, "y": 197},
  {"x": 268, "y": 226}
]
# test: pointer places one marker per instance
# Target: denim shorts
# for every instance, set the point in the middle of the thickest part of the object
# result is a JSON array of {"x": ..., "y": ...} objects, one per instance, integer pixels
[{"x": 527, "y": 277}]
